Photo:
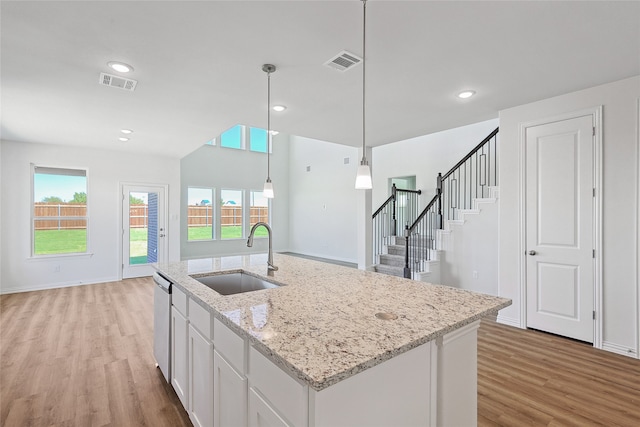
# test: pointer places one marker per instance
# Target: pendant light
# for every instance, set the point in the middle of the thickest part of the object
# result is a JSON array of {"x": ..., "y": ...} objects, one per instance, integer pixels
[
  {"x": 268, "y": 186},
  {"x": 363, "y": 177}
]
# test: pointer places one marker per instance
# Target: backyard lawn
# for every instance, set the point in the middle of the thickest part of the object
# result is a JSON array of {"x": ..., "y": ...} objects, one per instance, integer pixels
[
  {"x": 75, "y": 241},
  {"x": 60, "y": 241}
]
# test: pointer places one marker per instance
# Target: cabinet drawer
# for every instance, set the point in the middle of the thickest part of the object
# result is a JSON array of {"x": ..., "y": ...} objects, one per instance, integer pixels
[
  {"x": 283, "y": 392},
  {"x": 230, "y": 345},
  {"x": 260, "y": 413},
  {"x": 179, "y": 300},
  {"x": 200, "y": 318}
]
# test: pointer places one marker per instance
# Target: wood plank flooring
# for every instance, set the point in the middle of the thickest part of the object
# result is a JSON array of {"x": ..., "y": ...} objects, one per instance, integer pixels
[
  {"x": 83, "y": 356},
  {"x": 538, "y": 379}
]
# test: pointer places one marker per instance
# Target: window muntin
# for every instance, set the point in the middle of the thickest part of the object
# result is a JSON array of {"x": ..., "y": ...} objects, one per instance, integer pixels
[
  {"x": 258, "y": 140},
  {"x": 258, "y": 211},
  {"x": 233, "y": 138},
  {"x": 60, "y": 215},
  {"x": 200, "y": 217},
  {"x": 231, "y": 214}
]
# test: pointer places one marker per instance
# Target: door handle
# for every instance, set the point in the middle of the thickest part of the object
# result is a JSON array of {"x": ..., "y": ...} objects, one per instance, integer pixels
[
  {"x": 532, "y": 252},
  {"x": 161, "y": 235}
]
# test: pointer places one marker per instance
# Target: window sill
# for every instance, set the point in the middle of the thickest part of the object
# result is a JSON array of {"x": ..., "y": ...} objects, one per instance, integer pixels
[{"x": 58, "y": 256}]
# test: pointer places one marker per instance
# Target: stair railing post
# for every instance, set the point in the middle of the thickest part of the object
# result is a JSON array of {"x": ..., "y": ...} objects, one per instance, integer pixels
[
  {"x": 439, "y": 192},
  {"x": 407, "y": 270},
  {"x": 393, "y": 210}
]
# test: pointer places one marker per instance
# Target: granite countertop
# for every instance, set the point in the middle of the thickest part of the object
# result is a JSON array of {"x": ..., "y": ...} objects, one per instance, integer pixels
[{"x": 321, "y": 325}]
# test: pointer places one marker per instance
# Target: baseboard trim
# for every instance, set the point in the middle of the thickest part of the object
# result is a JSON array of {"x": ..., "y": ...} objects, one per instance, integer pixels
[
  {"x": 619, "y": 349},
  {"x": 14, "y": 289},
  {"x": 509, "y": 321}
]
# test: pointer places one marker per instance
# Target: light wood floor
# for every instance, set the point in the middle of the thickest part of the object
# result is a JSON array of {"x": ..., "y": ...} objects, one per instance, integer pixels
[{"x": 82, "y": 356}]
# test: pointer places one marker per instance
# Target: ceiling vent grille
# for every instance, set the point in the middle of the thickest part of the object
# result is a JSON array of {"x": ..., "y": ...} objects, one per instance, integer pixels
[
  {"x": 116, "y": 81},
  {"x": 343, "y": 61}
]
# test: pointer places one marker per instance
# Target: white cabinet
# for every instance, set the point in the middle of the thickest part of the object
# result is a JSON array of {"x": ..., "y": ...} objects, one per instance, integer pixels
[
  {"x": 179, "y": 355},
  {"x": 230, "y": 382},
  {"x": 230, "y": 393},
  {"x": 192, "y": 358},
  {"x": 200, "y": 379},
  {"x": 261, "y": 414}
]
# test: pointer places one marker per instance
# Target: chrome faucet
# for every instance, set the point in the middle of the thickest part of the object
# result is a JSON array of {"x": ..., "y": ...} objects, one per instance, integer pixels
[{"x": 270, "y": 265}]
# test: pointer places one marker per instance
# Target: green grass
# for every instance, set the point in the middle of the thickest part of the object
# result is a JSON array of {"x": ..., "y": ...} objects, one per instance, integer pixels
[
  {"x": 228, "y": 232},
  {"x": 49, "y": 242}
]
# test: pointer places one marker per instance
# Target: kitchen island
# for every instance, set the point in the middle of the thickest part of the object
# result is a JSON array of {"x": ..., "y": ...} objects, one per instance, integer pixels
[{"x": 330, "y": 346}]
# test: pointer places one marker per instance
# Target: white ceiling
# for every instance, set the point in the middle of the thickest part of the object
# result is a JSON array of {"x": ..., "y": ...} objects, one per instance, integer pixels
[{"x": 198, "y": 66}]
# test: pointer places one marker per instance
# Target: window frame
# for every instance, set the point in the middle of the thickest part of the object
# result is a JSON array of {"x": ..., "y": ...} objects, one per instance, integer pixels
[
  {"x": 34, "y": 219},
  {"x": 243, "y": 138},
  {"x": 214, "y": 218},
  {"x": 242, "y": 215},
  {"x": 250, "y": 204}
]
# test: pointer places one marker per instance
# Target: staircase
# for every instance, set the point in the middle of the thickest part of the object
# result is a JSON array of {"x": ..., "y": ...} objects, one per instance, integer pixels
[{"x": 415, "y": 252}]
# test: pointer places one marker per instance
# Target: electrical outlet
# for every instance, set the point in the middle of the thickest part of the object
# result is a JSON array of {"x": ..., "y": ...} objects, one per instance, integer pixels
[
  {"x": 475, "y": 274},
  {"x": 56, "y": 269}
]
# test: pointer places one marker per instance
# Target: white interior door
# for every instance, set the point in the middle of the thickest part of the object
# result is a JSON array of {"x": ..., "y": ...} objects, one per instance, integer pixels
[
  {"x": 144, "y": 228},
  {"x": 559, "y": 227}
]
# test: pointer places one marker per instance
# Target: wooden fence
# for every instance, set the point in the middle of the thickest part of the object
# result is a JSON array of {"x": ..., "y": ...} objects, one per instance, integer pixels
[
  {"x": 202, "y": 216},
  {"x": 57, "y": 216}
]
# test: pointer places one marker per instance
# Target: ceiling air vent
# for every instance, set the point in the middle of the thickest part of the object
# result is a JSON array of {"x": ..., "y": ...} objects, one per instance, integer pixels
[
  {"x": 343, "y": 61},
  {"x": 116, "y": 81}
]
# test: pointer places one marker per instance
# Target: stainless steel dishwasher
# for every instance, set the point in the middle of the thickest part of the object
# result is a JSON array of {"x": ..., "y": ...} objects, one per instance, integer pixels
[{"x": 162, "y": 324}]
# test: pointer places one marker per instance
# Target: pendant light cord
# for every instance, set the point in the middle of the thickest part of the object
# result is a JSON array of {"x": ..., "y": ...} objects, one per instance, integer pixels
[
  {"x": 364, "y": 61},
  {"x": 268, "y": 125}
]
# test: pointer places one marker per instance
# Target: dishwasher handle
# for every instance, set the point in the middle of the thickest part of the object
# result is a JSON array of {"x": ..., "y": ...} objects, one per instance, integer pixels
[{"x": 162, "y": 282}]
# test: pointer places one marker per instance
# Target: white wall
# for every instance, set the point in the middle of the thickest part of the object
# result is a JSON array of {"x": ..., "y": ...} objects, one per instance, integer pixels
[
  {"x": 469, "y": 257},
  {"x": 323, "y": 201},
  {"x": 217, "y": 167},
  {"x": 424, "y": 157},
  {"x": 106, "y": 170},
  {"x": 620, "y": 199}
]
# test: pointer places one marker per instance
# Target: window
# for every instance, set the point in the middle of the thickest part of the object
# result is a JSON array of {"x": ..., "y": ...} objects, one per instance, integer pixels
[
  {"x": 231, "y": 214},
  {"x": 200, "y": 217},
  {"x": 258, "y": 140},
  {"x": 59, "y": 211},
  {"x": 258, "y": 212},
  {"x": 233, "y": 138}
]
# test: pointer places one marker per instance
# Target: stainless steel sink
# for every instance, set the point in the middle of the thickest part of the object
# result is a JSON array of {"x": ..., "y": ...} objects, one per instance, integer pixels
[{"x": 234, "y": 283}]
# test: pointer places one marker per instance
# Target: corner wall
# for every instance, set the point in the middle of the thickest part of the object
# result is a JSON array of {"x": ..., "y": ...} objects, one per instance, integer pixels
[
  {"x": 620, "y": 200},
  {"x": 106, "y": 170}
]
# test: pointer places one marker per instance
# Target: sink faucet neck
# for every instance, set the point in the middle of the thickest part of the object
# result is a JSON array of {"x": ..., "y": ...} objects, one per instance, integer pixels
[{"x": 270, "y": 265}]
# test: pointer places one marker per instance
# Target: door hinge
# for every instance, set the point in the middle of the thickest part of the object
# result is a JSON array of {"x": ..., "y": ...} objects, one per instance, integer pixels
[
  {"x": 594, "y": 130},
  {"x": 594, "y": 253},
  {"x": 594, "y": 192},
  {"x": 594, "y": 315}
]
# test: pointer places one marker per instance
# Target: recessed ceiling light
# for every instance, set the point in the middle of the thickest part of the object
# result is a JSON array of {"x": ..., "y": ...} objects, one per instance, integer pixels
[
  {"x": 466, "y": 94},
  {"x": 120, "y": 67},
  {"x": 123, "y": 139},
  {"x": 279, "y": 108},
  {"x": 126, "y": 131}
]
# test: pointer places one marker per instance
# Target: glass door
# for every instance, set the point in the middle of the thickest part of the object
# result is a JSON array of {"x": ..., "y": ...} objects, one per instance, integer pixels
[{"x": 144, "y": 229}]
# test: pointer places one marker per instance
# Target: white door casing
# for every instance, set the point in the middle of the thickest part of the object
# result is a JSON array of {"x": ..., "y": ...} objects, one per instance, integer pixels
[
  {"x": 156, "y": 215},
  {"x": 561, "y": 226}
]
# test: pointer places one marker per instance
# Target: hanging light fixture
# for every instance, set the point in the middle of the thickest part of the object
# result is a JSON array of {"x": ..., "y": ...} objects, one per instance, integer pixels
[
  {"x": 268, "y": 186},
  {"x": 363, "y": 177}
]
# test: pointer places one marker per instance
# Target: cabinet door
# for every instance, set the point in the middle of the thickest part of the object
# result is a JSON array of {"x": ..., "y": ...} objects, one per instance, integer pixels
[
  {"x": 261, "y": 414},
  {"x": 179, "y": 351},
  {"x": 200, "y": 379},
  {"x": 230, "y": 394}
]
